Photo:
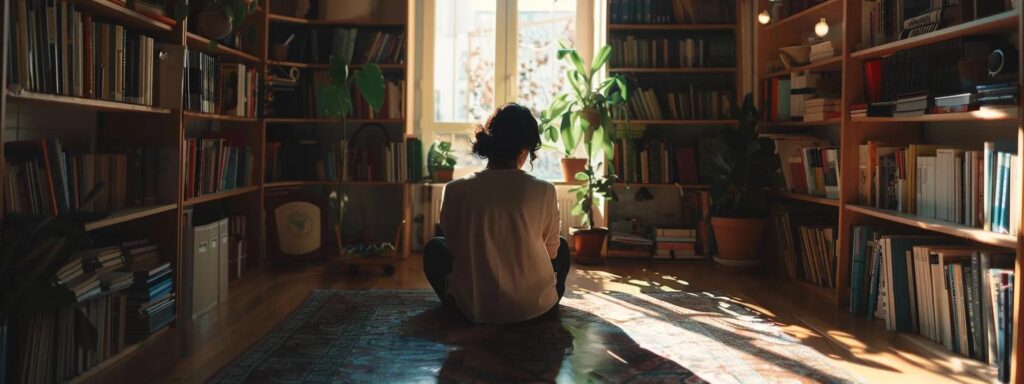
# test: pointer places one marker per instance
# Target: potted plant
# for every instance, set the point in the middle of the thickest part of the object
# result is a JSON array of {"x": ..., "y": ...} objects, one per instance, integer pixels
[
  {"x": 573, "y": 117},
  {"x": 741, "y": 168},
  {"x": 216, "y": 18},
  {"x": 441, "y": 161},
  {"x": 584, "y": 116}
]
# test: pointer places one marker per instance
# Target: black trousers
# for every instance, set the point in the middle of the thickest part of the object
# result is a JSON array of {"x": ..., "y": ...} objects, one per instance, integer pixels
[{"x": 437, "y": 264}]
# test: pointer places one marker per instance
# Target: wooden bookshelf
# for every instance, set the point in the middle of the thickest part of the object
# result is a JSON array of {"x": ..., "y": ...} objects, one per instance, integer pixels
[
  {"x": 218, "y": 117},
  {"x": 328, "y": 120},
  {"x": 282, "y": 19},
  {"x": 201, "y": 43},
  {"x": 994, "y": 114},
  {"x": 285, "y": 63},
  {"x": 80, "y": 102},
  {"x": 818, "y": 123},
  {"x": 220, "y": 195},
  {"x": 977, "y": 235},
  {"x": 1002, "y": 22},
  {"x": 128, "y": 215},
  {"x": 800, "y": 197},
  {"x": 830, "y": 9},
  {"x": 124, "y": 16},
  {"x": 675, "y": 71}
]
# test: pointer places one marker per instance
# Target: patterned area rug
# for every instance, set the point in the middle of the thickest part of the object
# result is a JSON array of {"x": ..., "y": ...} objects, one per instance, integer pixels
[{"x": 381, "y": 336}]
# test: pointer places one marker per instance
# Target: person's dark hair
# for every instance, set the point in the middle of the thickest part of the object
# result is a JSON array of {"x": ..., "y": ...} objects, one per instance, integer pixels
[{"x": 508, "y": 130}]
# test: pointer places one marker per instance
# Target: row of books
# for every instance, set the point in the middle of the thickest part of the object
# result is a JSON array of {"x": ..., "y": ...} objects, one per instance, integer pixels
[
  {"x": 996, "y": 97},
  {"x": 308, "y": 160},
  {"x": 47, "y": 178},
  {"x": 213, "y": 254},
  {"x": 628, "y": 239},
  {"x": 653, "y": 161},
  {"x": 685, "y": 103},
  {"x": 822, "y": 50},
  {"x": 958, "y": 296},
  {"x": 678, "y": 52},
  {"x": 806, "y": 242},
  {"x": 230, "y": 89},
  {"x": 933, "y": 70},
  {"x": 797, "y": 99},
  {"x": 380, "y": 48},
  {"x": 809, "y": 165},
  {"x": 216, "y": 164},
  {"x": 57, "y": 48},
  {"x": 976, "y": 188},
  {"x": 393, "y": 107},
  {"x": 676, "y": 244},
  {"x": 672, "y": 11},
  {"x": 883, "y": 21},
  {"x": 151, "y": 298}
]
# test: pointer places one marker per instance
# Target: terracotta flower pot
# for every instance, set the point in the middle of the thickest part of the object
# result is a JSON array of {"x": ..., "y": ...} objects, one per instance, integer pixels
[
  {"x": 571, "y": 166},
  {"x": 442, "y": 175},
  {"x": 589, "y": 244},
  {"x": 739, "y": 241}
]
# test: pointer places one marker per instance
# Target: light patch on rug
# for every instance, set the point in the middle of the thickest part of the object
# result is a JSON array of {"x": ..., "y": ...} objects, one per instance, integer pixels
[{"x": 390, "y": 336}]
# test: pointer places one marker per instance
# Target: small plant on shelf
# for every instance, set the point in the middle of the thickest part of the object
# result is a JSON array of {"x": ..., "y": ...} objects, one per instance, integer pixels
[
  {"x": 216, "y": 19},
  {"x": 741, "y": 169},
  {"x": 584, "y": 116},
  {"x": 441, "y": 161}
]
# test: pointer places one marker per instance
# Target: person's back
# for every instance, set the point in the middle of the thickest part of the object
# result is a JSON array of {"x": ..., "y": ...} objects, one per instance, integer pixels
[{"x": 498, "y": 261}]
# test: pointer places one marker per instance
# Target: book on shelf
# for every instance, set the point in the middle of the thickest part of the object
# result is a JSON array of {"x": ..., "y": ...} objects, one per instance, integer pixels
[
  {"x": 676, "y": 243},
  {"x": 932, "y": 69},
  {"x": 343, "y": 162},
  {"x": 56, "y": 48},
  {"x": 154, "y": 9},
  {"x": 822, "y": 50},
  {"x": 953, "y": 295},
  {"x": 216, "y": 164},
  {"x": 375, "y": 47},
  {"x": 810, "y": 165},
  {"x": 913, "y": 104},
  {"x": 639, "y": 161},
  {"x": 978, "y": 188},
  {"x": 820, "y": 109},
  {"x": 884, "y": 21},
  {"x": 216, "y": 87},
  {"x": 150, "y": 299},
  {"x": 44, "y": 177},
  {"x": 708, "y": 51},
  {"x": 687, "y": 102},
  {"x": 806, "y": 241},
  {"x": 672, "y": 12},
  {"x": 797, "y": 98},
  {"x": 629, "y": 239}
]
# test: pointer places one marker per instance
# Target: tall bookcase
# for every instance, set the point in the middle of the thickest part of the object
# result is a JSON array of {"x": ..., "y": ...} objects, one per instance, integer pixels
[
  {"x": 849, "y": 133},
  {"x": 100, "y": 125}
]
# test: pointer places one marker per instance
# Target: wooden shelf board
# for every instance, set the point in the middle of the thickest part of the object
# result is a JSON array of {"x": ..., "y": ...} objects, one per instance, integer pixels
[
  {"x": 1005, "y": 21},
  {"x": 328, "y": 120},
  {"x": 220, "y": 195},
  {"x": 974, "y": 367},
  {"x": 807, "y": 198},
  {"x": 373, "y": 183},
  {"x": 301, "y": 183},
  {"x": 662, "y": 185},
  {"x": 975, "y": 234},
  {"x": 107, "y": 9},
  {"x": 811, "y": 14},
  {"x": 992, "y": 114},
  {"x": 827, "y": 65},
  {"x": 285, "y": 63},
  {"x": 829, "y": 294},
  {"x": 105, "y": 105},
  {"x": 819, "y": 123},
  {"x": 671, "y": 27},
  {"x": 201, "y": 43},
  {"x": 282, "y": 19},
  {"x": 127, "y": 351},
  {"x": 674, "y": 70},
  {"x": 213, "y": 116},
  {"x": 678, "y": 122},
  {"x": 129, "y": 214}
]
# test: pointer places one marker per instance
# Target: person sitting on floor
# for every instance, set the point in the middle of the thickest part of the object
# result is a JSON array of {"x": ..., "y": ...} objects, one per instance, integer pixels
[{"x": 502, "y": 260}]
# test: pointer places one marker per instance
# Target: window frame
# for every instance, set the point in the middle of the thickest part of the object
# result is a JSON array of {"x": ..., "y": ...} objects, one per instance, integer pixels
[{"x": 506, "y": 75}]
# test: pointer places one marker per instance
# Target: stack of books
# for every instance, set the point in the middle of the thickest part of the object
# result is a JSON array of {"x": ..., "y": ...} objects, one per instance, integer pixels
[
  {"x": 151, "y": 296},
  {"x": 915, "y": 104},
  {"x": 675, "y": 243},
  {"x": 822, "y": 50},
  {"x": 628, "y": 242},
  {"x": 960, "y": 297},
  {"x": 961, "y": 102},
  {"x": 820, "y": 109},
  {"x": 858, "y": 110},
  {"x": 85, "y": 286},
  {"x": 997, "y": 94}
]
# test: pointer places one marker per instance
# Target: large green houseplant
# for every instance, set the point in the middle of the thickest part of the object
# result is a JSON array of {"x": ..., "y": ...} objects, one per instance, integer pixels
[
  {"x": 584, "y": 117},
  {"x": 741, "y": 169}
]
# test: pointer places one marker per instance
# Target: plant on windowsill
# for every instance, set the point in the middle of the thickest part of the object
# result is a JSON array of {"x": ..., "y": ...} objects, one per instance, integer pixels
[
  {"x": 584, "y": 116},
  {"x": 741, "y": 168},
  {"x": 441, "y": 161}
]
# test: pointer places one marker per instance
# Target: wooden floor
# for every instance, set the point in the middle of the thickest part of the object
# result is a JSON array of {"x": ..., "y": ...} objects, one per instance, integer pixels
[{"x": 265, "y": 297}]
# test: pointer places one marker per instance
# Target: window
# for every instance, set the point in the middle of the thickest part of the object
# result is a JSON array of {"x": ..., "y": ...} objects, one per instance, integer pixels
[{"x": 486, "y": 53}]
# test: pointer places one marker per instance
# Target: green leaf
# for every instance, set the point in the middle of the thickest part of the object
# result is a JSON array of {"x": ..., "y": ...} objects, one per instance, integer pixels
[
  {"x": 238, "y": 15},
  {"x": 444, "y": 146},
  {"x": 181, "y": 10},
  {"x": 338, "y": 70},
  {"x": 582, "y": 176},
  {"x": 370, "y": 81},
  {"x": 570, "y": 137},
  {"x": 213, "y": 44},
  {"x": 623, "y": 87},
  {"x": 601, "y": 58}
]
